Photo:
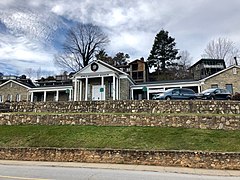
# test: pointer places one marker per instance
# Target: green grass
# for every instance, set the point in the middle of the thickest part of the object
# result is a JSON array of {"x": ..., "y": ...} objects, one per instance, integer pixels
[{"x": 145, "y": 138}]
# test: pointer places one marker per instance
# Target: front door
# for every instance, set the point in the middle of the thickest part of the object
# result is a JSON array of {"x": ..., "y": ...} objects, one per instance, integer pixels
[{"x": 98, "y": 93}]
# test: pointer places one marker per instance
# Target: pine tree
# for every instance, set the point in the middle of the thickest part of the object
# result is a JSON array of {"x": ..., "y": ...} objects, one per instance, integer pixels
[{"x": 163, "y": 54}]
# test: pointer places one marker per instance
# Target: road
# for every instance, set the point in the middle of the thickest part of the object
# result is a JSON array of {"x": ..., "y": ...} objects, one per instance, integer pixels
[{"x": 23, "y": 172}]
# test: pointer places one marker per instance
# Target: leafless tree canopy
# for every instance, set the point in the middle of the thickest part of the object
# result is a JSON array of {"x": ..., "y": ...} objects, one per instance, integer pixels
[
  {"x": 82, "y": 42},
  {"x": 222, "y": 48},
  {"x": 185, "y": 59}
]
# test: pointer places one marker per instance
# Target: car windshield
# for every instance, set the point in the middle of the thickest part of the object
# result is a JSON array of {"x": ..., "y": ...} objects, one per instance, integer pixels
[
  {"x": 169, "y": 90},
  {"x": 208, "y": 91}
]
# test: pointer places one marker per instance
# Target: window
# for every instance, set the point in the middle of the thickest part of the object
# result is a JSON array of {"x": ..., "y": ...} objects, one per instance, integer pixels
[
  {"x": 110, "y": 89},
  {"x": 234, "y": 70},
  {"x": 176, "y": 91},
  {"x": 134, "y": 67},
  {"x": 214, "y": 86},
  {"x": 134, "y": 75},
  {"x": 187, "y": 91},
  {"x": 229, "y": 87},
  {"x": 18, "y": 97},
  {"x": 140, "y": 75},
  {"x": 9, "y": 97},
  {"x": 218, "y": 91}
]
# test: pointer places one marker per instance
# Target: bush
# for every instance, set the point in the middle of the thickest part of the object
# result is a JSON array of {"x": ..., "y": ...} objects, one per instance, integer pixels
[{"x": 236, "y": 96}]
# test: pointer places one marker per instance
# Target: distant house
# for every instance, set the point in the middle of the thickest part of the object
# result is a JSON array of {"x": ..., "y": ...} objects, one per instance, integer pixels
[
  {"x": 14, "y": 88},
  {"x": 206, "y": 67},
  {"x": 137, "y": 69}
]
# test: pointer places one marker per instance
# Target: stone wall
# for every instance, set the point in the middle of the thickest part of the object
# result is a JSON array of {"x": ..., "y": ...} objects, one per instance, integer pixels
[
  {"x": 210, "y": 160},
  {"x": 104, "y": 119},
  {"x": 131, "y": 106}
]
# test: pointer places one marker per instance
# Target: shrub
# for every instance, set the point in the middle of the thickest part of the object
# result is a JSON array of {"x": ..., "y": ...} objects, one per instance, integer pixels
[{"x": 236, "y": 96}]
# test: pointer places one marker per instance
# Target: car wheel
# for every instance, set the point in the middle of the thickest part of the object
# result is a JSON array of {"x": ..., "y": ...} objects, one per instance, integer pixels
[
  {"x": 168, "y": 98},
  {"x": 212, "y": 98}
]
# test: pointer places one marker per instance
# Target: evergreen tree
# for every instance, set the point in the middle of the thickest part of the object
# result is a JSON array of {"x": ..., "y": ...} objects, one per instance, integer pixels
[
  {"x": 163, "y": 55},
  {"x": 121, "y": 59},
  {"x": 103, "y": 56}
]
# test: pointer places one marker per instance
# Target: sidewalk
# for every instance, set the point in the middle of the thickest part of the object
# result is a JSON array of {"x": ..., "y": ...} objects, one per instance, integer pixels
[{"x": 126, "y": 167}]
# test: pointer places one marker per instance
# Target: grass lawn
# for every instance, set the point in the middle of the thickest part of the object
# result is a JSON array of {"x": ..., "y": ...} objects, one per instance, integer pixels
[{"x": 146, "y": 138}]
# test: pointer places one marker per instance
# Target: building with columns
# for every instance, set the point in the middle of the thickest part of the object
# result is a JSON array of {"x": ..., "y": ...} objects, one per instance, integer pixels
[{"x": 101, "y": 81}]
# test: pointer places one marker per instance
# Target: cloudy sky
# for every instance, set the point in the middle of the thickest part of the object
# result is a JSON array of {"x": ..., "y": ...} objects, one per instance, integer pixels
[{"x": 31, "y": 31}]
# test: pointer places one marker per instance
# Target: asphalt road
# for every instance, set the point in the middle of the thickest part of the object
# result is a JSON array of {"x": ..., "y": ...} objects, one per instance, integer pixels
[{"x": 22, "y": 172}]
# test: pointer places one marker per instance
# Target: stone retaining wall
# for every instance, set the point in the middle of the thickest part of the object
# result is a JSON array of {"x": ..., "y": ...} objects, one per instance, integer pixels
[
  {"x": 137, "y": 119},
  {"x": 131, "y": 106},
  {"x": 210, "y": 160}
]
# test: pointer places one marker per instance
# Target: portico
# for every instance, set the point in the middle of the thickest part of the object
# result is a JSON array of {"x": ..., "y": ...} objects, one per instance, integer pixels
[{"x": 100, "y": 81}]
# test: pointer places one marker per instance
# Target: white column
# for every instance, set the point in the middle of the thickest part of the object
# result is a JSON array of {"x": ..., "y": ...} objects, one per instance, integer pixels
[
  {"x": 86, "y": 89},
  {"x": 117, "y": 88},
  {"x": 132, "y": 94},
  {"x": 102, "y": 81},
  {"x": 119, "y": 92},
  {"x": 44, "y": 96},
  {"x": 147, "y": 94},
  {"x": 57, "y": 95},
  {"x": 102, "y": 85},
  {"x": 28, "y": 96},
  {"x": 199, "y": 89},
  {"x": 31, "y": 96},
  {"x": 114, "y": 87},
  {"x": 75, "y": 90},
  {"x": 80, "y": 91},
  {"x": 70, "y": 95}
]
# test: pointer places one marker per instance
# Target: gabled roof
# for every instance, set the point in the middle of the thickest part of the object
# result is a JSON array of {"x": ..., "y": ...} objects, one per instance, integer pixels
[
  {"x": 219, "y": 72},
  {"x": 110, "y": 67},
  {"x": 136, "y": 60},
  {"x": 26, "y": 85},
  {"x": 104, "y": 64}
]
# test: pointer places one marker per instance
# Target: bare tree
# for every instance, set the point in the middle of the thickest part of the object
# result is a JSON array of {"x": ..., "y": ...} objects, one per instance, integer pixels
[
  {"x": 222, "y": 48},
  {"x": 185, "y": 59},
  {"x": 29, "y": 72},
  {"x": 82, "y": 42},
  {"x": 182, "y": 71}
]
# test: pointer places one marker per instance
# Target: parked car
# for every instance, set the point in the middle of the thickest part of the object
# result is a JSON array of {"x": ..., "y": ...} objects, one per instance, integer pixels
[
  {"x": 177, "y": 93},
  {"x": 215, "y": 93}
]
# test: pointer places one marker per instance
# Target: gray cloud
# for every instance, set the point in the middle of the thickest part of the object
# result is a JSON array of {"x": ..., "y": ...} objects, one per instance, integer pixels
[{"x": 132, "y": 25}]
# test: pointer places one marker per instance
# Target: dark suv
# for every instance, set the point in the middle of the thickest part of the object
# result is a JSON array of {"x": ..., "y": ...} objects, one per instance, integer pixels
[
  {"x": 177, "y": 93},
  {"x": 215, "y": 93}
]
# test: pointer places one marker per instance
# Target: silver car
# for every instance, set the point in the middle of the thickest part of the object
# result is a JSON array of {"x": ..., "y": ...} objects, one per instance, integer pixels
[{"x": 177, "y": 93}]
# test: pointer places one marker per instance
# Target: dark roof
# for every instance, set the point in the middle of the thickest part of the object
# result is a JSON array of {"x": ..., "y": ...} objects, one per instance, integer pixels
[
  {"x": 208, "y": 60},
  {"x": 27, "y": 83},
  {"x": 51, "y": 85}
]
